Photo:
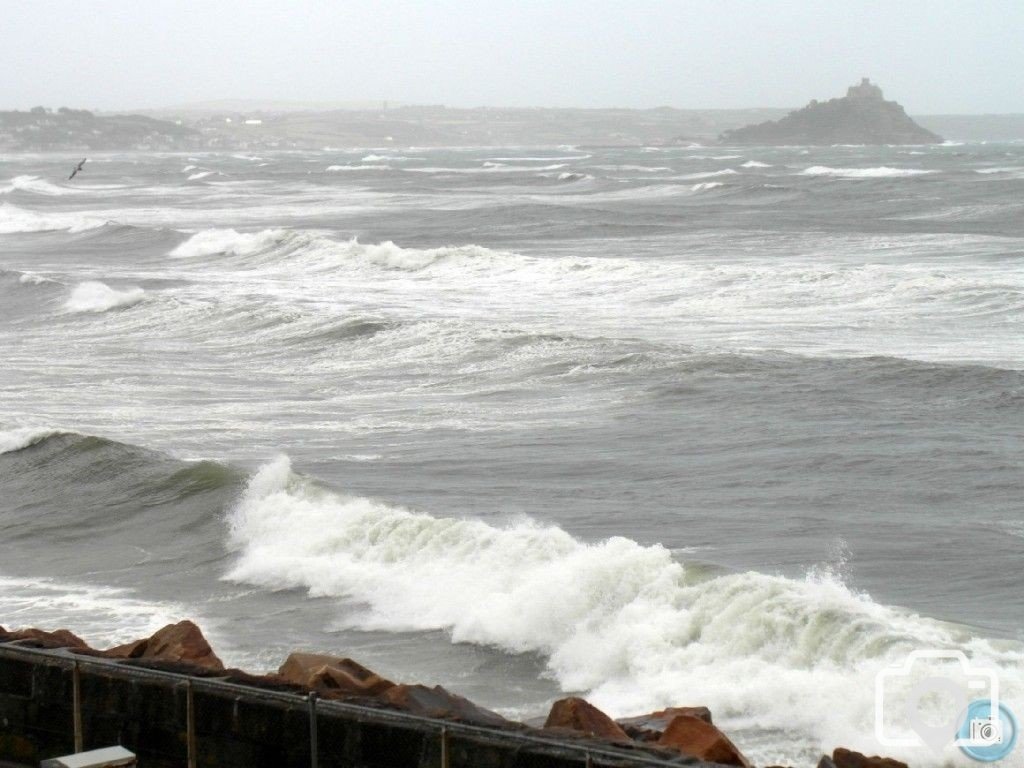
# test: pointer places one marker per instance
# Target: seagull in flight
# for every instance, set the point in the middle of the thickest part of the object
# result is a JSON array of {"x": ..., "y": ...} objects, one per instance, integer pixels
[{"x": 77, "y": 169}]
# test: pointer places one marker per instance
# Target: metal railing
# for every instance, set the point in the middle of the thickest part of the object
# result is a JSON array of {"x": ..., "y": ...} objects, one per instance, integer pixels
[{"x": 514, "y": 739}]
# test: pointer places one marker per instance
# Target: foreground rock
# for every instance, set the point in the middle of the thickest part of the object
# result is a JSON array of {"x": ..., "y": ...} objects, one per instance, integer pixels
[
  {"x": 59, "y": 638},
  {"x": 650, "y": 727},
  {"x": 332, "y": 675},
  {"x": 579, "y": 715},
  {"x": 440, "y": 703},
  {"x": 695, "y": 737},
  {"x": 181, "y": 642},
  {"x": 863, "y": 116},
  {"x": 847, "y": 758}
]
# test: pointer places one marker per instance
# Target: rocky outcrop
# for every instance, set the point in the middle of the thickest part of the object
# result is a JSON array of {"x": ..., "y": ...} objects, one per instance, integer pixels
[
  {"x": 863, "y": 116},
  {"x": 332, "y": 676},
  {"x": 650, "y": 727},
  {"x": 59, "y": 638},
  {"x": 579, "y": 715},
  {"x": 440, "y": 703},
  {"x": 698, "y": 738},
  {"x": 847, "y": 758},
  {"x": 685, "y": 733},
  {"x": 181, "y": 642}
]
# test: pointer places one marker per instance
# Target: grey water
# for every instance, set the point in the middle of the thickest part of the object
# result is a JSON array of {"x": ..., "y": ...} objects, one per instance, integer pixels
[{"x": 654, "y": 424}]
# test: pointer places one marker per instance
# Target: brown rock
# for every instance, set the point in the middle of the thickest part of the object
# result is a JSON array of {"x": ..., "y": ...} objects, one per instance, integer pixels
[
  {"x": 182, "y": 642},
  {"x": 60, "y": 638},
  {"x": 826, "y": 762},
  {"x": 332, "y": 675},
  {"x": 847, "y": 758},
  {"x": 697, "y": 738},
  {"x": 579, "y": 715},
  {"x": 649, "y": 727},
  {"x": 440, "y": 703}
]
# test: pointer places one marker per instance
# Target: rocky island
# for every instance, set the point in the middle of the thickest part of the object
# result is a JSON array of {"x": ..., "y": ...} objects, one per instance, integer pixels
[{"x": 863, "y": 116}]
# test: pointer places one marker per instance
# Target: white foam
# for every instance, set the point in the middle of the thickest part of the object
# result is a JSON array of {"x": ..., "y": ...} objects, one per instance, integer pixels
[
  {"x": 710, "y": 174},
  {"x": 102, "y": 616},
  {"x": 880, "y": 172},
  {"x": 35, "y": 185},
  {"x": 202, "y": 175},
  {"x": 490, "y": 167},
  {"x": 705, "y": 185},
  {"x": 23, "y": 437},
  {"x": 211, "y": 242},
  {"x": 31, "y": 278},
  {"x": 94, "y": 296},
  {"x": 629, "y": 624},
  {"x": 388, "y": 158},
  {"x": 14, "y": 220},
  {"x": 358, "y": 167},
  {"x": 755, "y": 164}
]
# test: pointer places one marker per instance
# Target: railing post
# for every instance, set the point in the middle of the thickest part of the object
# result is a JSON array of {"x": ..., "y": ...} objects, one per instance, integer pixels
[
  {"x": 314, "y": 750},
  {"x": 445, "y": 755},
  {"x": 76, "y": 705},
  {"x": 190, "y": 724}
]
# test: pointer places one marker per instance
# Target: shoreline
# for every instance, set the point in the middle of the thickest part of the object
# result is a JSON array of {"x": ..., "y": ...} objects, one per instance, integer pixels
[{"x": 677, "y": 735}]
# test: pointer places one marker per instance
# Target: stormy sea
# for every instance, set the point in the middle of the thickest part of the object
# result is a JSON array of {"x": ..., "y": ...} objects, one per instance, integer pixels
[{"x": 677, "y": 426}]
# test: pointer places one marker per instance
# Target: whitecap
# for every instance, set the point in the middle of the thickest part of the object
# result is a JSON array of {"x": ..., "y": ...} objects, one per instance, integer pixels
[
  {"x": 94, "y": 296},
  {"x": 880, "y": 172}
]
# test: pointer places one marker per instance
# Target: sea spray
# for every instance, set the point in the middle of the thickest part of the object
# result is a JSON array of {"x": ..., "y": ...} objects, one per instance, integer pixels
[
  {"x": 94, "y": 296},
  {"x": 629, "y": 624}
]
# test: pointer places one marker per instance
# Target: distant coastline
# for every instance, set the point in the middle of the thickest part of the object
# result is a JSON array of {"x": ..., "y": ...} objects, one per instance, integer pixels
[{"x": 212, "y": 127}]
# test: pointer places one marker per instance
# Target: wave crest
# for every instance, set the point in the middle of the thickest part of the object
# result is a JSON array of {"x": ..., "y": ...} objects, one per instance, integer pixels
[
  {"x": 18, "y": 439},
  {"x": 881, "y": 172},
  {"x": 14, "y": 220},
  {"x": 94, "y": 296},
  {"x": 626, "y": 622}
]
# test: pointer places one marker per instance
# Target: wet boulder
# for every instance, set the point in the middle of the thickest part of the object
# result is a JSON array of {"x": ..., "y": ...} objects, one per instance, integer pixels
[
  {"x": 332, "y": 675},
  {"x": 650, "y": 727},
  {"x": 40, "y": 638},
  {"x": 580, "y": 715},
  {"x": 181, "y": 642},
  {"x": 440, "y": 703},
  {"x": 847, "y": 758},
  {"x": 695, "y": 737}
]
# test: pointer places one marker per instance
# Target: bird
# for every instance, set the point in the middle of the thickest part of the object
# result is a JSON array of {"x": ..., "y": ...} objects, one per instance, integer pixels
[{"x": 77, "y": 168}]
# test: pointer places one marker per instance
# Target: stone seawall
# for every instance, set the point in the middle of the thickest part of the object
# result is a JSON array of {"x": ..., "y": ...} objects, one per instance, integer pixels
[{"x": 52, "y": 701}]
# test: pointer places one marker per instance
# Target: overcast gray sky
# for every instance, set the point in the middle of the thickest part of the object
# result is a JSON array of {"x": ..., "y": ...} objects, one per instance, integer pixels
[{"x": 932, "y": 56}]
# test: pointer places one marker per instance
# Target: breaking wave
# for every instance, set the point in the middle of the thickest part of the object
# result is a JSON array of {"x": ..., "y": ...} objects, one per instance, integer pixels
[
  {"x": 35, "y": 185},
  {"x": 710, "y": 174},
  {"x": 212, "y": 242},
  {"x": 358, "y": 167},
  {"x": 14, "y": 220},
  {"x": 94, "y": 296},
  {"x": 882, "y": 172},
  {"x": 23, "y": 437},
  {"x": 628, "y": 623}
]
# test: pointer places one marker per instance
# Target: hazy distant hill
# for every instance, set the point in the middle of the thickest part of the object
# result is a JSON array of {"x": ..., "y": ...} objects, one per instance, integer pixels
[
  {"x": 482, "y": 126},
  {"x": 40, "y": 129},
  {"x": 863, "y": 116},
  {"x": 232, "y": 125}
]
